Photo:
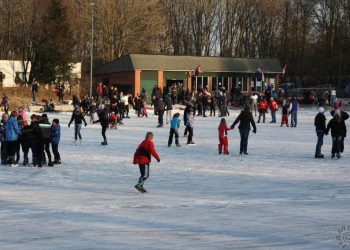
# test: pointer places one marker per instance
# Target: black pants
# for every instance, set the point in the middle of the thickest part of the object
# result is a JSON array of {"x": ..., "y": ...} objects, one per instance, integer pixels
[
  {"x": 244, "y": 140},
  {"x": 173, "y": 132},
  {"x": 11, "y": 149},
  {"x": 342, "y": 145},
  {"x": 56, "y": 154},
  {"x": 190, "y": 134},
  {"x": 336, "y": 144},
  {"x": 263, "y": 114},
  {"x": 18, "y": 150},
  {"x": 160, "y": 117},
  {"x": 144, "y": 171},
  {"x": 212, "y": 110},
  {"x": 25, "y": 148},
  {"x": 42, "y": 148},
  {"x": 186, "y": 130},
  {"x": 104, "y": 129},
  {"x": 3, "y": 152}
]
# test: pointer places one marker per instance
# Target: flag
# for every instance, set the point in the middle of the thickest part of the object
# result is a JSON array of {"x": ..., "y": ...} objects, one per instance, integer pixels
[{"x": 284, "y": 70}]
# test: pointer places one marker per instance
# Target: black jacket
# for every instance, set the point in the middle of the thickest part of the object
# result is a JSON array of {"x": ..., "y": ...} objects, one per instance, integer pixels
[
  {"x": 103, "y": 118},
  {"x": 168, "y": 104},
  {"x": 244, "y": 119},
  {"x": 44, "y": 130},
  {"x": 337, "y": 128},
  {"x": 320, "y": 122},
  {"x": 77, "y": 117}
]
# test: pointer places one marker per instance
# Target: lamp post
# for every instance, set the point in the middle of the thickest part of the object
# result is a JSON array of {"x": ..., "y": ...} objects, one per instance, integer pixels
[{"x": 92, "y": 45}]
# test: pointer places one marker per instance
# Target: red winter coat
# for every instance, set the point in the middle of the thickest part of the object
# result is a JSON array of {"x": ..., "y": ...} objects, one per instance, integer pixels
[
  {"x": 263, "y": 105},
  {"x": 144, "y": 152},
  {"x": 223, "y": 131},
  {"x": 273, "y": 105}
]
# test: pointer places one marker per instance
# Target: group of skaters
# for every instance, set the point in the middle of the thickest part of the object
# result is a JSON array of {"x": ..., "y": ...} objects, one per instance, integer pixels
[
  {"x": 19, "y": 136},
  {"x": 336, "y": 126}
]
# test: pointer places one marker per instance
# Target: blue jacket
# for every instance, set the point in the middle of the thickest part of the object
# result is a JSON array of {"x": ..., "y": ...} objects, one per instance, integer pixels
[
  {"x": 12, "y": 129},
  {"x": 294, "y": 105},
  {"x": 175, "y": 123},
  {"x": 55, "y": 134}
]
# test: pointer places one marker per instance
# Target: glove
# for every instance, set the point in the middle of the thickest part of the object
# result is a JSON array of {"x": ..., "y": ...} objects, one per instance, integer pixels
[
  {"x": 232, "y": 127},
  {"x": 68, "y": 125},
  {"x": 254, "y": 131},
  {"x": 85, "y": 124},
  {"x": 158, "y": 160}
]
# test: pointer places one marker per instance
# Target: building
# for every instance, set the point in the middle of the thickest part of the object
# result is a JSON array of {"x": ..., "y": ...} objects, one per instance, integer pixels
[
  {"x": 14, "y": 71},
  {"x": 136, "y": 71}
]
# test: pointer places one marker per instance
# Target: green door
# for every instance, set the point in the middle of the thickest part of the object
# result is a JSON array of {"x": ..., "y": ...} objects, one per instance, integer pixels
[{"x": 148, "y": 81}]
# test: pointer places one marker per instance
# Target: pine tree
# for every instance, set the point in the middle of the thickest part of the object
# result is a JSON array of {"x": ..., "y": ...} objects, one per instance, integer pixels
[{"x": 53, "y": 46}]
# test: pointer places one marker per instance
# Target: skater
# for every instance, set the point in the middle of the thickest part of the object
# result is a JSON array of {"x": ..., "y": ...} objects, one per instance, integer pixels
[
  {"x": 174, "y": 126},
  {"x": 142, "y": 157},
  {"x": 29, "y": 142},
  {"x": 254, "y": 102},
  {"x": 55, "y": 140},
  {"x": 12, "y": 132},
  {"x": 189, "y": 127},
  {"x": 78, "y": 119},
  {"x": 273, "y": 108},
  {"x": 44, "y": 135},
  {"x": 284, "y": 119},
  {"x": 293, "y": 107},
  {"x": 344, "y": 115},
  {"x": 3, "y": 138},
  {"x": 223, "y": 141},
  {"x": 19, "y": 139},
  {"x": 212, "y": 105},
  {"x": 262, "y": 109},
  {"x": 103, "y": 120},
  {"x": 168, "y": 108},
  {"x": 244, "y": 119},
  {"x": 320, "y": 124},
  {"x": 161, "y": 109},
  {"x": 338, "y": 130}
]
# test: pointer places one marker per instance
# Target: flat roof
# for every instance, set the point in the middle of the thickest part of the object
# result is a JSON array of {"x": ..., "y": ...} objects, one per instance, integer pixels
[{"x": 132, "y": 62}]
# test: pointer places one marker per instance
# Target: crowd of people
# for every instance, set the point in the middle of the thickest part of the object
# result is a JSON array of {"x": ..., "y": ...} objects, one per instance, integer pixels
[{"x": 19, "y": 136}]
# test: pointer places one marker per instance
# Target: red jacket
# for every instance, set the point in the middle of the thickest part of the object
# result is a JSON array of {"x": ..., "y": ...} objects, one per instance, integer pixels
[
  {"x": 144, "y": 152},
  {"x": 263, "y": 105},
  {"x": 273, "y": 105},
  {"x": 223, "y": 130}
]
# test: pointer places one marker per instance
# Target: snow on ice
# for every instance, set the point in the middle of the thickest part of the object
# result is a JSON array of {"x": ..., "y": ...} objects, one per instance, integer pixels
[{"x": 277, "y": 197}]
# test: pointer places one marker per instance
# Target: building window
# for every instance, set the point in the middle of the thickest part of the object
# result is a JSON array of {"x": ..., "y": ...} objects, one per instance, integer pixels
[
  {"x": 272, "y": 83},
  {"x": 214, "y": 83}
]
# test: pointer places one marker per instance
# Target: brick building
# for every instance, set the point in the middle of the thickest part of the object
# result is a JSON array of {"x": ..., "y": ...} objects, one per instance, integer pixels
[{"x": 133, "y": 72}]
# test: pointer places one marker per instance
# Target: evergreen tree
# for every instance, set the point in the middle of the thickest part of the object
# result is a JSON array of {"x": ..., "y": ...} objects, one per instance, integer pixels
[{"x": 53, "y": 46}]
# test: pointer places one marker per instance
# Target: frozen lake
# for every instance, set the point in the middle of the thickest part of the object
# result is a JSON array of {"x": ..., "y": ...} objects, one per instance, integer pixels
[{"x": 277, "y": 197}]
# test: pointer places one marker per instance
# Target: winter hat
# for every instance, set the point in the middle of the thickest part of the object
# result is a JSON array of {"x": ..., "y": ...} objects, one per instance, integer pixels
[
  {"x": 321, "y": 110},
  {"x": 246, "y": 107},
  {"x": 56, "y": 121},
  {"x": 76, "y": 107}
]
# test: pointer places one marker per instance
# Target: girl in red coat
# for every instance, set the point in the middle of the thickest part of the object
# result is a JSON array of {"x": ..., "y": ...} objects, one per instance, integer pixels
[
  {"x": 223, "y": 141},
  {"x": 142, "y": 157}
]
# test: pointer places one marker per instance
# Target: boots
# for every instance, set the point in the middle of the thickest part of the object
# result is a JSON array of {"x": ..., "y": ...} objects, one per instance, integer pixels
[
  {"x": 220, "y": 150},
  {"x": 104, "y": 143}
]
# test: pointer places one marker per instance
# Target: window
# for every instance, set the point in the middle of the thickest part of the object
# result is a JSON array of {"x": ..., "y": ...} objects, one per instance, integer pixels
[
  {"x": 272, "y": 83},
  {"x": 214, "y": 83}
]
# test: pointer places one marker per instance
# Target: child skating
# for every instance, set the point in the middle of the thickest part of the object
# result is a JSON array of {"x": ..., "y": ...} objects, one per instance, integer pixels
[
  {"x": 174, "y": 127},
  {"x": 142, "y": 157},
  {"x": 223, "y": 141}
]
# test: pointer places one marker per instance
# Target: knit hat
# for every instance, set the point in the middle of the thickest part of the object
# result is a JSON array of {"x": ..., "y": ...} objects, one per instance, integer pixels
[
  {"x": 321, "y": 110},
  {"x": 246, "y": 107}
]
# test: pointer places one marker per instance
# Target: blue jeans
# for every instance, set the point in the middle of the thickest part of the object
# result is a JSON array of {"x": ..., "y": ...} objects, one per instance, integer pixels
[
  {"x": 273, "y": 116},
  {"x": 320, "y": 135},
  {"x": 293, "y": 119},
  {"x": 244, "y": 140},
  {"x": 77, "y": 129}
]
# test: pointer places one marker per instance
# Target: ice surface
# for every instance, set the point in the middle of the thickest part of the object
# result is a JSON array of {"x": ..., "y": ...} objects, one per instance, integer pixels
[{"x": 278, "y": 197}]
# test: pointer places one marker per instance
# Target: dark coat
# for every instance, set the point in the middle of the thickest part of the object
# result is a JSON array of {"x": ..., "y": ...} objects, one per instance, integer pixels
[
  {"x": 320, "y": 122},
  {"x": 338, "y": 129},
  {"x": 77, "y": 117},
  {"x": 244, "y": 119}
]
